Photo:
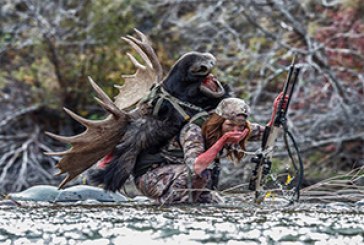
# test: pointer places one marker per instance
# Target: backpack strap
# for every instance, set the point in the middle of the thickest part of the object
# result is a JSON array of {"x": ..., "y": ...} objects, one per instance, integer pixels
[
  {"x": 199, "y": 118},
  {"x": 161, "y": 94}
]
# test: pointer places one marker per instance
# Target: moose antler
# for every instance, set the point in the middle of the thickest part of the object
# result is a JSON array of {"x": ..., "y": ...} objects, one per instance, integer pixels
[
  {"x": 137, "y": 85},
  {"x": 101, "y": 137}
]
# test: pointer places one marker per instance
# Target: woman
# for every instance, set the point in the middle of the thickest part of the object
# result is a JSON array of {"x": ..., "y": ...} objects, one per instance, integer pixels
[{"x": 224, "y": 131}]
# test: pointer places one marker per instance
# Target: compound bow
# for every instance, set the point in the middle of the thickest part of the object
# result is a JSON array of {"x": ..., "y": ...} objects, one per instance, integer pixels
[{"x": 263, "y": 158}]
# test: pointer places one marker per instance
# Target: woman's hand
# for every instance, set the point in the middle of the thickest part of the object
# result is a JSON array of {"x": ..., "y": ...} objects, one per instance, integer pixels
[
  {"x": 206, "y": 158},
  {"x": 235, "y": 136},
  {"x": 276, "y": 102},
  {"x": 278, "y": 99}
]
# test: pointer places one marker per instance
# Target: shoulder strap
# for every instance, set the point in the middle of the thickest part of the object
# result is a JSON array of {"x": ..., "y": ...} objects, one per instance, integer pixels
[
  {"x": 161, "y": 94},
  {"x": 199, "y": 118}
]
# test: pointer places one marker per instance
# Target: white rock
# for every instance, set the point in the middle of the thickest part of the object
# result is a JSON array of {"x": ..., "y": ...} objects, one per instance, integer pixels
[
  {"x": 85, "y": 192},
  {"x": 141, "y": 199},
  {"x": 42, "y": 193}
]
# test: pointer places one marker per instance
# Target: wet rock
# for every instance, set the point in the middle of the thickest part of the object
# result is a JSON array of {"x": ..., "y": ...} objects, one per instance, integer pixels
[
  {"x": 8, "y": 203},
  {"x": 141, "y": 199},
  {"x": 84, "y": 192},
  {"x": 360, "y": 203},
  {"x": 350, "y": 231},
  {"x": 46, "y": 193},
  {"x": 339, "y": 206},
  {"x": 39, "y": 193}
]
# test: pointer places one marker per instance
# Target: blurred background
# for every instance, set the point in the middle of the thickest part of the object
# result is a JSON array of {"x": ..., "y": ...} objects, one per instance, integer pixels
[{"x": 49, "y": 47}]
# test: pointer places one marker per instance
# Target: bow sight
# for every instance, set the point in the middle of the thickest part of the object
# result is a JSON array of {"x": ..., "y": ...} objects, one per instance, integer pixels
[{"x": 263, "y": 158}]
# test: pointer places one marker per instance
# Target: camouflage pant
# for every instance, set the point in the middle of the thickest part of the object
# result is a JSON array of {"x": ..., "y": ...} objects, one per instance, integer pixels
[{"x": 170, "y": 184}]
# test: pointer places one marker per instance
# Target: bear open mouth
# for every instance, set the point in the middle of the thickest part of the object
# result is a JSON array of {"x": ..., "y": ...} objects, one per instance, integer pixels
[{"x": 211, "y": 87}]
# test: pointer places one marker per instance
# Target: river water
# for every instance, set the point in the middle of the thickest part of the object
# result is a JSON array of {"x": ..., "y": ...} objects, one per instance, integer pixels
[{"x": 149, "y": 224}]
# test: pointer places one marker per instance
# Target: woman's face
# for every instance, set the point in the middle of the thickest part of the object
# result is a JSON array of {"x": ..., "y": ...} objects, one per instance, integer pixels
[{"x": 237, "y": 125}]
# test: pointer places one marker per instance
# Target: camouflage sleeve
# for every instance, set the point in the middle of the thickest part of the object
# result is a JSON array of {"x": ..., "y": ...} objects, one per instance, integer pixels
[
  {"x": 257, "y": 132},
  {"x": 192, "y": 142}
]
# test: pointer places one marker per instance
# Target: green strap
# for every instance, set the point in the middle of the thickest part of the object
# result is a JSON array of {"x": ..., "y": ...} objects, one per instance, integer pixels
[
  {"x": 160, "y": 93},
  {"x": 179, "y": 109},
  {"x": 199, "y": 118},
  {"x": 174, "y": 104},
  {"x": 157, "y": 106}
]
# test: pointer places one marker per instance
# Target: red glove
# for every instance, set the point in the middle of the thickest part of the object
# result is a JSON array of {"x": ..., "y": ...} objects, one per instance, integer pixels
[
  {"x": 206, "y": 158},
  {"x": 276, "y": 102}
]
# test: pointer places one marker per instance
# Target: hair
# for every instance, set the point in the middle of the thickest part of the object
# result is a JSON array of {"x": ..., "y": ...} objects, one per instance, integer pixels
[{"x": 212, "y": 131}]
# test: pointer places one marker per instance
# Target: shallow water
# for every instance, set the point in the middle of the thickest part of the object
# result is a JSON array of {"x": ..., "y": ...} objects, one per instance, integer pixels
[{"x": 135, "y": 224}]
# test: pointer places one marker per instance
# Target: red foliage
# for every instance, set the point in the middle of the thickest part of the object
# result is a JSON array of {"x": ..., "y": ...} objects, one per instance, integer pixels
[{"x": 343, "y": 38}]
